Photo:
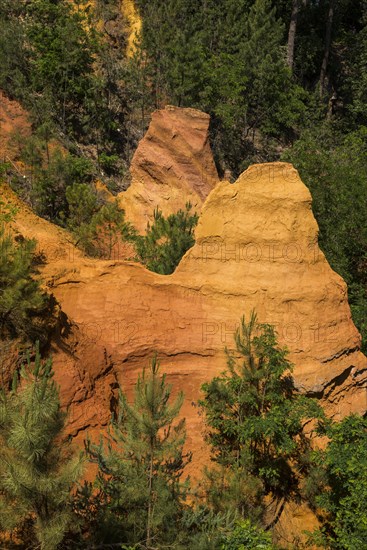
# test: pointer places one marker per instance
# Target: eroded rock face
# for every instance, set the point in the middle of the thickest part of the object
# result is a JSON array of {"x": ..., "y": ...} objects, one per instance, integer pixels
[
  {"x": 256, "y": 244},
  {"x": 172, "y": 165},
  {"x": 15, "y": 126},
  {"x": 256, "y": 248}
]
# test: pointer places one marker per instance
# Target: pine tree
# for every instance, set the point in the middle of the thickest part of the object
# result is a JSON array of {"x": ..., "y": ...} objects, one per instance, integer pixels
[
  {"x": 50, "y": 182},
  {"x": 167, "y": 240},
  {"x": 254, "y": 415},
  {"x": 82, "y": 204},
  {"x": 37, "y": 467},
  {"x": 14, "y": 67},
  {"x": 269, "y": 103},
  {"x": 61, "y": 65},
  {"x": 139, "y": 476},
  {"x": 25, "y": 310}
]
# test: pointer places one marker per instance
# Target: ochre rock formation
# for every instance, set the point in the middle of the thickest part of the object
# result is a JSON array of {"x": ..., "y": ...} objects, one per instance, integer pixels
[
  {"x": 172, "y": 165},
  {"x": 256, "y": 247}
]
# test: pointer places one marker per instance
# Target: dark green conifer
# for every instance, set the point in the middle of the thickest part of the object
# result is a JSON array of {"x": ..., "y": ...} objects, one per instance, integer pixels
[
  {"x": 25, "y": 309},
  {"x": 139, "y": 481},
  {"x": 167, "y": 240},
  {"x": 37, "y": 467},
  {"x": 255, "y": 416}
]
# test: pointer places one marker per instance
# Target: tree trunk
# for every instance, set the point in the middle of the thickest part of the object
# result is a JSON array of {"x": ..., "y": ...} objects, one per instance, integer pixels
[
  {"x": 292, "y": 33},
  {"x": 150, "y": 503},
  {"x": 325, "y": 61}
]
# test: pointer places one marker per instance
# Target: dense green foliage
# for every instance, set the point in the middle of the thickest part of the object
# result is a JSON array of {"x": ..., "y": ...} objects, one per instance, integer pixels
[
  {"x": 51, "y": 182},
  {"x": 247, "y": 536},
  {"x": 342, "y": 486},
  {"x": 139, "y": 497},
  {"x": 73, "y": 81},
  {"x": 99, "y": 228},
  {"x": 48, "y": 56},
  {"x": 232, "y": 67},
  {"x": 166, "y": 240},
  {"x": 37, "y": 468}
]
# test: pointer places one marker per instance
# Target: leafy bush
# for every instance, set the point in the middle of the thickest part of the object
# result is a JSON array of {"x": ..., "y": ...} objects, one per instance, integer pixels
[
  {"x": 246, "y": 536},
  {"x": 343, "y": 489},
  {"x": 203, "y": 529},
  {"x": 49, "y": 172}
]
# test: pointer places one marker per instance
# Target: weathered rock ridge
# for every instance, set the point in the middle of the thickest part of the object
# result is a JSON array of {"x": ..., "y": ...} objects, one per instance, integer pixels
[
  {"x": 172, "y": 165},
  {"x": 256, "y": 248}
]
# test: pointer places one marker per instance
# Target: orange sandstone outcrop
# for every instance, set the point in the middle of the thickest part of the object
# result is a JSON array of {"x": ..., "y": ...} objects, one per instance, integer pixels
[
  {"x": 15, "y": 126},
  {"x": 172, "y": 165},
  {"x": 256, "y": 247}
]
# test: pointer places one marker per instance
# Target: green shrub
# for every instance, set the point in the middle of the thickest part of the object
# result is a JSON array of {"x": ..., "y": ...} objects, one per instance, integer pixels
[
  {"x": 82, "y": 205},
  {"x": 342, "y": 492},
  {"x": 109, "y": 162},
  {"x": 246, "y": 536},
  {"x": 106, "y": 230}
]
